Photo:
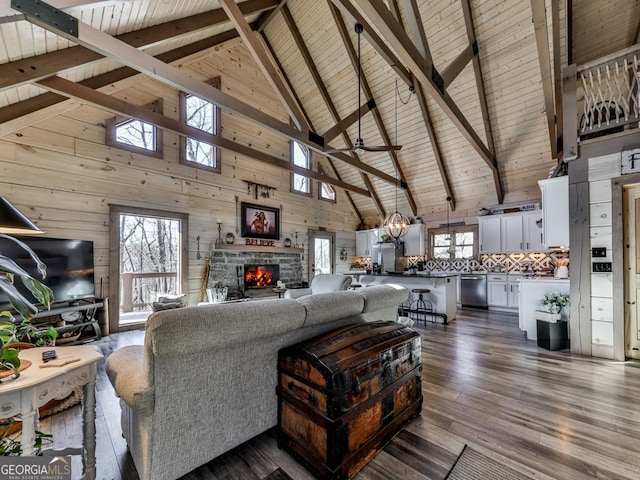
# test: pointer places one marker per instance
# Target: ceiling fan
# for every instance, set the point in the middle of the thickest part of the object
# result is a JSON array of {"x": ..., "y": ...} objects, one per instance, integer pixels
[{"x": 359, "y": 146}]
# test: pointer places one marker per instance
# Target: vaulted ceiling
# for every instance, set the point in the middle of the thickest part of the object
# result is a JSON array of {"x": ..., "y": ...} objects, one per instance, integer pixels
[{"x": 476, "y": 109}]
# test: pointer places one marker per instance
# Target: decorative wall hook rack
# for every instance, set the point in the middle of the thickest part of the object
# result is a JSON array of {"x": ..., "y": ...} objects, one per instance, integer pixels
[{"x": 255, "y": 188}]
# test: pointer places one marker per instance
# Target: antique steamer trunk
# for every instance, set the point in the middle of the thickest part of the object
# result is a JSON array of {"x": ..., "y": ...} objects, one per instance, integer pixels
[{"x": 345, "y": 394}]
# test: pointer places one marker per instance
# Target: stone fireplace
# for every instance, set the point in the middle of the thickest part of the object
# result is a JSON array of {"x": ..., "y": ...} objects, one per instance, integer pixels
[{"x": 228, "y": 269}]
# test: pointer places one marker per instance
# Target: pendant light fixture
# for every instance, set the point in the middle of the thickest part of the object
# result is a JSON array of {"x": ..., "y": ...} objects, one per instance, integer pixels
[
  {"x": 14, "y": 222},
  {"x": 397, "y": 224},
  {"x": 451, "y": 249}
]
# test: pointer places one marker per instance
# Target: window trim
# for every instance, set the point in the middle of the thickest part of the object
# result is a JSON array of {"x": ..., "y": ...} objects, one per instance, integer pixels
[
  {"x": 113, "y": 122},
  {"x": 309, "y": 163},
  {"x": 182, "y": 157},
  {"x": 453, "y": 230}
]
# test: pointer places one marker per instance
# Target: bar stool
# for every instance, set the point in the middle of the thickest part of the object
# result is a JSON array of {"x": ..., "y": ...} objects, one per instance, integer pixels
[{"x": 420, "y": 308}]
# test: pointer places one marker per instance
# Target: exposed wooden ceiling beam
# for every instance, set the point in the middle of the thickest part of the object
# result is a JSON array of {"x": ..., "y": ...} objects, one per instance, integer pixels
[
  {"x": 252, "y": 41},
  {"x": 176, "y": 78},
  {"x": 30, "y": 69},
  {"x": 456, "y": 66},
  {"x": 324, "y": 93},
  {"x": 35, "y": 104},
  {"x": 264, "y": 21},
  {"x": 420, "y": 38},
  {"x": 346, "y": 40},
  {"x": 120, "y": 107},
  {"x": 375, "y": 41},
  {"x": 331, "y": 162},
  {"x": 482, "y": 93},
  {"x": 6, "y": 10},
  {"x": 349, "y": 120},
  {"x": 557, "y": 76},
  {"x": 379, "y": 15},
  {"x": 539, "y": 14}
]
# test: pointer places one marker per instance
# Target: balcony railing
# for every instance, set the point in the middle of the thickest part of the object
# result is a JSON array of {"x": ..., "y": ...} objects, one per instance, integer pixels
[{"x": 139, "y": 290}]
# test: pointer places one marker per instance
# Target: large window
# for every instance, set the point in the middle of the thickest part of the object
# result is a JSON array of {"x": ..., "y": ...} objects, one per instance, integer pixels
[
  {"x": 454, "y": 242},
  {"x": 300, "y": 157},
  {"x": 135, "y": 135},
  {"x": 203, "y": 115}
]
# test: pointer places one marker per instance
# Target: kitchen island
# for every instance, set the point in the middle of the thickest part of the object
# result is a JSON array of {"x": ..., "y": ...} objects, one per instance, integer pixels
[{"x": 443, "y": 286}]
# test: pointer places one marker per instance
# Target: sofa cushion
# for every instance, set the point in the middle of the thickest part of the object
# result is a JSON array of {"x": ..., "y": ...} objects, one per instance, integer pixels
[
  {"x": 327, "y": 307},
  {"x": 176, "y": 331},
  {"x": 377, "y": 297},
  {"x": 130, "y": 378}
]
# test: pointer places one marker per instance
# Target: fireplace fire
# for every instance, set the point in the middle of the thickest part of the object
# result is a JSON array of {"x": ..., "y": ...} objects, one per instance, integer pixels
[{"x": 261, "y": 276}]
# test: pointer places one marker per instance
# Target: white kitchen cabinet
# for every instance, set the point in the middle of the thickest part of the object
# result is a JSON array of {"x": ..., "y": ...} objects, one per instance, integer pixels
[
  {"x": 497, "y": 295},
  {"x": 511, "y": 233},
  {"x": 414, "y": 240},
  {"x": 502, "y": 291},
  {"x": 555, "y": 211},
  {"x": 489, "y": 229},
  {"x": 532, "y": 232},
  {"x": 513, "y": 291},
  {"x": 362, "y": 243},
  {"x": 364, "y": 240}
]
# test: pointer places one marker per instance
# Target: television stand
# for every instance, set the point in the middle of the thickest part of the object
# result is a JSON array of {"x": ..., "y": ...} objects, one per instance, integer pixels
[{"x": 79, "y": 318}]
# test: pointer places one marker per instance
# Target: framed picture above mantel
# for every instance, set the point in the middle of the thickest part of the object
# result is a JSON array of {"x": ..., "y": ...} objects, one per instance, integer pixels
[{"x": 259, "y": 221}]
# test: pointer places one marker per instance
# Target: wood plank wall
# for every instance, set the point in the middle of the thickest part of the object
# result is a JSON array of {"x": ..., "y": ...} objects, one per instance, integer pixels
[{"x": 59, "y": 172}]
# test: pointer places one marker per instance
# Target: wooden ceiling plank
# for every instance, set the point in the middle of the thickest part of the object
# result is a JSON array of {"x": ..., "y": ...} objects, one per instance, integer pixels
[
  {"x": 393, "y": 33},
  {"x": 482, "y": 93},
  {"x": 120, "y": 107},
  {"x": 539, "y": 14},
  {"x": 30, "y": 69},
  {"x": 331, "y": 162},
  {"x": 264, "y": 21},
  {"x": 6, "y": 10},
  {"x": 557, "y": 75},
  {"x": 346, "y": 40},
  {"x": 123, "y": 53},
  {"x": 33, "y": 104},
  {"x": 420, "y": 38},
  {"x": 349, "y": 120},
  {"x": 324, "y": 93},
  {"x": 315, "y": 74},
  {"x": 252, "y": 41}
]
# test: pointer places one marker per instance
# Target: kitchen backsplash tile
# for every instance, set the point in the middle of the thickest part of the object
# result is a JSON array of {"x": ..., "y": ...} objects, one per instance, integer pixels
[{"x": 503, "y": 262}]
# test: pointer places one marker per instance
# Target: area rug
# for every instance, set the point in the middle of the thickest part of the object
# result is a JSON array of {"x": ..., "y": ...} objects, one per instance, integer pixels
[{"x": 472, "y": 465}]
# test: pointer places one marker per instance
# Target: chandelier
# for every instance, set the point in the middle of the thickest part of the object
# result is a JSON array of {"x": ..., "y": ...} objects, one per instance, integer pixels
[{"x": 397, "y": 224}]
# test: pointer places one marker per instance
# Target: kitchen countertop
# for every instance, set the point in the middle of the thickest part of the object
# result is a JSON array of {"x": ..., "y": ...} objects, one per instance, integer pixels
[
  {"x": 418, "y": 274},
  {"x": 538, "y": 278}
]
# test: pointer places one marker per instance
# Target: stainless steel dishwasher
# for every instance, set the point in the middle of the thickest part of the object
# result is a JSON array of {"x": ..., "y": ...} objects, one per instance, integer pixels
[{"x": 473, "y": 290}]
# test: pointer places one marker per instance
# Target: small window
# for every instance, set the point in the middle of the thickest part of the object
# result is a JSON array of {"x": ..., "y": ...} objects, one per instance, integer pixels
[
  {"x": 300, "y": 157},
  {"x": 203, "y": 115},
  {"x": 455, "y": 242},
  {"x": 135, "y": 135},
  {"x": 327, "y": 192}
]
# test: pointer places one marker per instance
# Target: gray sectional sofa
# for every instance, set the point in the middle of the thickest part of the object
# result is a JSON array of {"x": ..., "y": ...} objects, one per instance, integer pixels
[{"x": 205, "y": 379}]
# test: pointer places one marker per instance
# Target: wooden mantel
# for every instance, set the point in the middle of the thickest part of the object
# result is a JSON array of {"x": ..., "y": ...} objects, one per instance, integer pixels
[{"x": 257, "y": 248}]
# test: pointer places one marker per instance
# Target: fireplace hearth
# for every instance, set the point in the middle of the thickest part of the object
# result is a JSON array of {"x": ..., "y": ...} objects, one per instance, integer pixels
[{"x": 261, "y": 275}]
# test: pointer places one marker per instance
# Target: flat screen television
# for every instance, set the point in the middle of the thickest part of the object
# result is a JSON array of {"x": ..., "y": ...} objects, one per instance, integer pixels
[{"x": 69, "y": 266}]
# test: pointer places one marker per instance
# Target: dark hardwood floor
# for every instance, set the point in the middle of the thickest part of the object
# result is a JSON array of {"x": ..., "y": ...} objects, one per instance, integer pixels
[{"x": 548, "y": 414}]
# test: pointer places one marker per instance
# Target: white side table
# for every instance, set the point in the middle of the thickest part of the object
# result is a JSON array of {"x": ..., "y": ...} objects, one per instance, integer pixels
[{"x": 36, "y": 386}]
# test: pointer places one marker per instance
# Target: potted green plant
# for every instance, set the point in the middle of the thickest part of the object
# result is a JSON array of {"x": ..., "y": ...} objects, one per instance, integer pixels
[
  {"x": 555, "y": 302},
  {"x": 12, "y": 330}
]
